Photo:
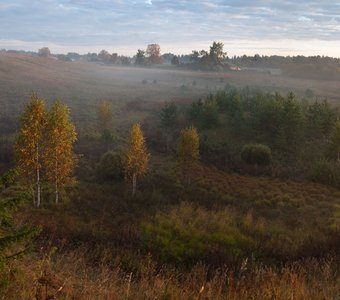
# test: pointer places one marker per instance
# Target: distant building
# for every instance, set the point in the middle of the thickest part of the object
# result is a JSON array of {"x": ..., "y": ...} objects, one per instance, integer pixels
[{"x": 235, "y": 68}]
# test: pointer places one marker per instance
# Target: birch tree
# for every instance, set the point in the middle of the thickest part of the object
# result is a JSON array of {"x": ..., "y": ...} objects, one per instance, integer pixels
[
  {"x": 104, "y": 115},
  {"x": 28, "y": 146},
  {"x": 104, "y": 119},
  {"x": 137, "y": 157},
  {"x": 59, "y": 159}
]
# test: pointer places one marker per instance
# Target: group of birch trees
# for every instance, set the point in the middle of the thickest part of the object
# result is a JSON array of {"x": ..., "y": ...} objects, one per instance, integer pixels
[
  {"x": 137, "y": 156},
  {"x": 44, "y": 147}
]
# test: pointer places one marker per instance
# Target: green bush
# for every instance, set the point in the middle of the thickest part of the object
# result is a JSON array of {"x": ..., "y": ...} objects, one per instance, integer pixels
[
  {"x": 256, "y": 154},
  {"x": 189, "y": 234},
  {"x": 110, "y": 167},
  {"x": 8, "y": 178}
]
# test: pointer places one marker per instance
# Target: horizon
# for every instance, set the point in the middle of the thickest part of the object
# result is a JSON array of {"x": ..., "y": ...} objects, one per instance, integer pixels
[
  {"x": 237, "y": 48},
  {"x": 245, "y": 27}
]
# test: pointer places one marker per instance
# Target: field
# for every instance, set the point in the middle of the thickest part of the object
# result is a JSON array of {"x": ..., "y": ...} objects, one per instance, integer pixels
[{"x": 226, "y": 235}]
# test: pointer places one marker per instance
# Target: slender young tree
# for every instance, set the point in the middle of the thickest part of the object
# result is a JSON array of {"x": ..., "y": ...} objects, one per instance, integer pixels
[
  {"x": 188, "y": 152},
  {"x": 137, "y": 157},
  {"x": 104, "y": 115},
  {"x": 28, "y": 146},
  {"x": 59, "y": 159}
]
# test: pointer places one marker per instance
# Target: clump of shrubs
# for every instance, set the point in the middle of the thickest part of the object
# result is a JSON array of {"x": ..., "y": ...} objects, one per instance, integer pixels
[
  {"x": 189, "y": 234},
  {"x": 144, "y": 81},
  {"x": 8, "y": 178},
  {"x": 110, "y": 167},
  {"x": 256, "y": 154}
]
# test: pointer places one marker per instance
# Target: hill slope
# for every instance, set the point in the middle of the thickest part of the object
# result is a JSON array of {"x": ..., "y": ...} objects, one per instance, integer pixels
[{"x": 81, "y": 84}]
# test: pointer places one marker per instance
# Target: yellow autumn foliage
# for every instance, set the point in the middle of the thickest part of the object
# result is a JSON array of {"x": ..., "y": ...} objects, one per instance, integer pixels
[
  {"x": 28, "y": 146},
  {"x": 137, "y": 157},
  {"x": 59, "y": 159},
  {"x": 104, "y": 114},
  {"x": 188, "y": 149}
]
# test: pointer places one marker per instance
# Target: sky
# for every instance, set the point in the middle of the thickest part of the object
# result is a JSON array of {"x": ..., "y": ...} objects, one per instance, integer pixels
[{"x": 248, "y": 27}]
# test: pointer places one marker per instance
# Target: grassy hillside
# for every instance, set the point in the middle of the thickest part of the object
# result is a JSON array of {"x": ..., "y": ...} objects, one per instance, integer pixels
[
  {"x": 82, "y": 85},
  {"x": 103, "y": 248},
  {"x": 223, "y": 236}
]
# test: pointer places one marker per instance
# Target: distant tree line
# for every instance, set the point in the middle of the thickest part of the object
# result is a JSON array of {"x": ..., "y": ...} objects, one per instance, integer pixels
[
  {"x": 277, "y": 60},
  {"x": 317, "y": 67}
]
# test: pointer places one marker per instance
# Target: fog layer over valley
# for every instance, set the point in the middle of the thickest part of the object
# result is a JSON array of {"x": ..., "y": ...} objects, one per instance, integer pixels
[{"x": 81, "y": 85}]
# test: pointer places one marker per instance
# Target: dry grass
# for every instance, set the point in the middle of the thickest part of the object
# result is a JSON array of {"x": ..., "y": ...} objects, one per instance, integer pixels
[
  {"x": 67, "y": 276},
  {"x": 74, "y": 274},
  {"x": 265, "y": 192}
]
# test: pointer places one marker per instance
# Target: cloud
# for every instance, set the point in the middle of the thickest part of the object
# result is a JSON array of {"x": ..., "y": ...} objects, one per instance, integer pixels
[{"x": 120, "y": 23}]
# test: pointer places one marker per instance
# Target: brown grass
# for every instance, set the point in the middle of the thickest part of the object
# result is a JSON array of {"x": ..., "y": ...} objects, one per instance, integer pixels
[
  {"x": 120, "y": 269},
  {"x": 67, "y": 276}
]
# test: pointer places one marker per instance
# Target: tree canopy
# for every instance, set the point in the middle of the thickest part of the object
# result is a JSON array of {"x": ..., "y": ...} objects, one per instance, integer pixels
[
  {"x": 45, "y": 51},
  {"x": 137, "y": 157},
  {"x": 59, "y": 159},
  {"x": 29, "y": 145},
  {"x": 153, "y": 52}
]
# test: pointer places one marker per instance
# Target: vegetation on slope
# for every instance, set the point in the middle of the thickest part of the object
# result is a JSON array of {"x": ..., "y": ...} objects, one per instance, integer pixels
[{"x": 238, "y": 228}]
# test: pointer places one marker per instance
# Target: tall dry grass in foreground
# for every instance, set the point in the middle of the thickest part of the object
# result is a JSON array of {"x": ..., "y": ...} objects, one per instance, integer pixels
[{"x": 68, "y": 276}]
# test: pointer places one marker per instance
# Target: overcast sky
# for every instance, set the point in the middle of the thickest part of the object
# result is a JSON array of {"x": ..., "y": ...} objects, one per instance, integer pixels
[{"x": 245, "y": 26}]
